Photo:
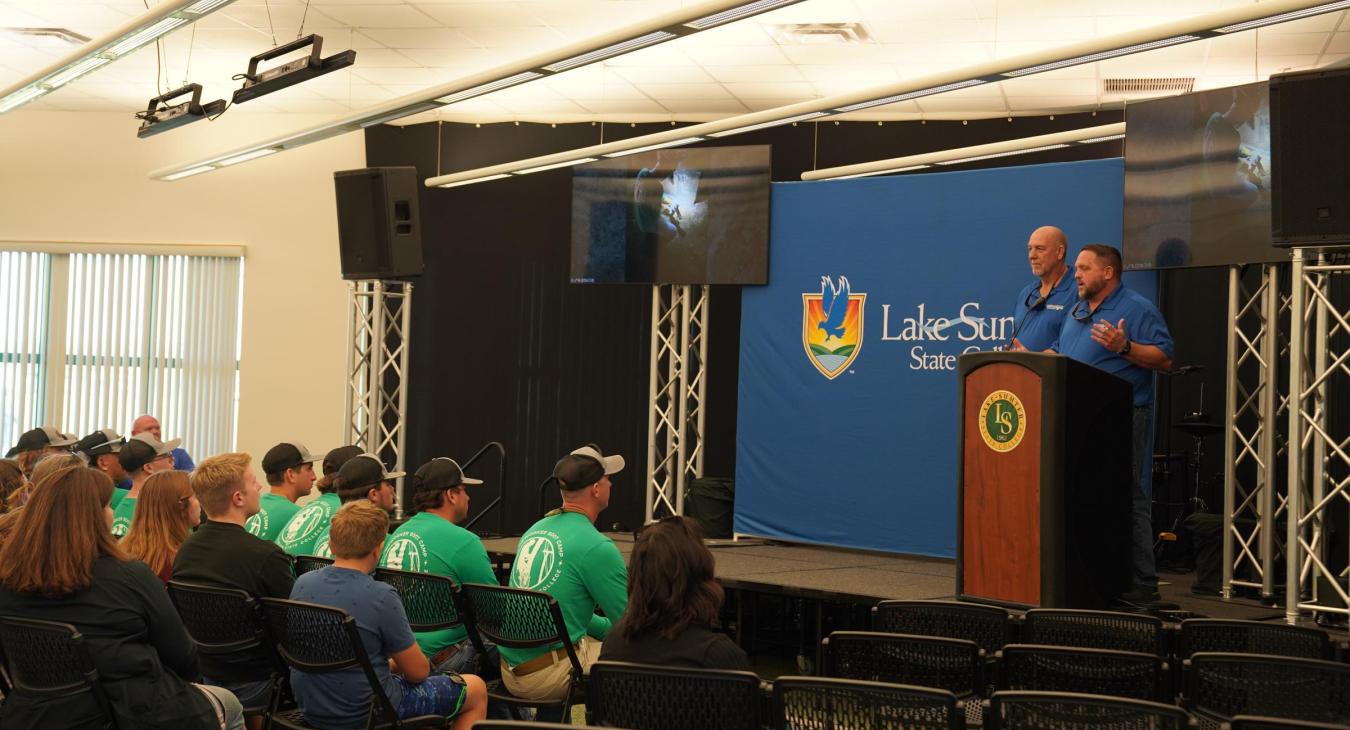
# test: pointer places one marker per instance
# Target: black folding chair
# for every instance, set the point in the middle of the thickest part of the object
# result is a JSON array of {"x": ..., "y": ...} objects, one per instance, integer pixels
[
  {"x": 226, "y": 622},
  {"x": 1037, "y": 668},
  {"x": 955, "y": 665},
  {"x": 988, "y": 626},
  {"x": 305, "y": 563},
  {"x": 813, "y": 703},
  {"x": 1251, "y": 722},
  {"x": 1093, "y": 630},
  {"x": 1040, "y": 710},
  {"x": 517, "y": 618},
  {"x": 321, "y": 639},
  {"x": 432, "y": 604},
  {"x": 47, "y": 660},
  {"x": 646, "y": 697},
  {"x": 1251, "y": 637},
  {"x": 1220, "y": 687}
]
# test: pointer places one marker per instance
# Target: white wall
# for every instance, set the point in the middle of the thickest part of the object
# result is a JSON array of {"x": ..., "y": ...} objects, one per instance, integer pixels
[{"x": 81, "y": 177}]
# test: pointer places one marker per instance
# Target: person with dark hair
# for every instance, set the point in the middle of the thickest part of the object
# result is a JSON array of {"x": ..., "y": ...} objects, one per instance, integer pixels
[
  {"x": 1115, "y": 329},
  {"x": 565, "y": 556},
  {"x": 433, "y": 542},
  {"x": 37, "y": 443},
  {"x": 362, "y": 477},
  {"x": 673, "y": 603},
  {"x": 100, "y": 449},
  {"x": 290, "y": 473},
  {"x": 141, "y": 456},
  {"x": 62, "y": 564},
  {"x": 1038, "y": 312},
  {"x": 303, "y": 531},
  {"x": 11, "y": 481},
  {"x": 168, "y": 512}
]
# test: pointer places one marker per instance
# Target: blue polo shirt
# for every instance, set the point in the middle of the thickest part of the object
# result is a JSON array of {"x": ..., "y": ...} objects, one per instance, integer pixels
[
  {"x": 1144, "y": 325},
  {"x": 1040, "y": 329}
]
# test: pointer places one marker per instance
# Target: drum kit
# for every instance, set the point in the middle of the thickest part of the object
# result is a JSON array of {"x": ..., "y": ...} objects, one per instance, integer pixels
[{"x": 1198, "y": 426}]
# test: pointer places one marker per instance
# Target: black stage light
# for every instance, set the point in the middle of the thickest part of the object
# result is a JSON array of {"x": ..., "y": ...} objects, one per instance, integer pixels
[
  {"x": 258, "y": 84},
  {"x": 159, "y": 116}
]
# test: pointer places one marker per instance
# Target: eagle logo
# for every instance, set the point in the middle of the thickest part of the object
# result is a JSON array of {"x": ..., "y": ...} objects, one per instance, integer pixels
[{"x": 832, "y": 326}]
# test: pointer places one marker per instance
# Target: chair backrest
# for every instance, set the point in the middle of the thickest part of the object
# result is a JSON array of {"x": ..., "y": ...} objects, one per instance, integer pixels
[
  {"x": 1251, "y": 637},
  {"x": 47, "y": 659},
  {"x": 429, "y": 600},
  {"x": 1252, "y": 722},
  {"x": 321, "y": 639},
  {"x": 955, "y": 665},
  {"x": 220, "y": 620},
  {"x": 1033, "y": 667},
  {"x": 305, "y": 563},
  {"x": 517, "y": 618},
  {"x": 646, "y": 697},
  {"x": 1093, "y": 630},
  {"x": 812, "y": 703},
  {"x": 1223, "y": 686},
  {"x": 988, "y": 626},
  {"x": 1039, "y": 710}
]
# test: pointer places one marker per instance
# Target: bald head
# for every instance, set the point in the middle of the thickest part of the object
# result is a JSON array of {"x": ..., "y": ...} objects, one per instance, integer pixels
[
  {"x": 1046, "y": 250},
  {"x": 146, "y": 424}
]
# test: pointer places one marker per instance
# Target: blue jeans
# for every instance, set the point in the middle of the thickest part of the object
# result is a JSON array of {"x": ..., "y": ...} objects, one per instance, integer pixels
[
  {"x": 465, "y": 661},
  {"x": 254, "y": 696},
  {"x": 1145, "y": 572}
]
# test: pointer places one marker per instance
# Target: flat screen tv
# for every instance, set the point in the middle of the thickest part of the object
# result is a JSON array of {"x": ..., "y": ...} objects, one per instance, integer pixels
[
  {"x": 672, "y": 216},
  {"x": 1197, "y": 180}
]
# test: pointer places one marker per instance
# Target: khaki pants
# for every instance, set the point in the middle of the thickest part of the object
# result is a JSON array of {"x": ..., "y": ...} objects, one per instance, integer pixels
[{"x": 550, "y": 683}]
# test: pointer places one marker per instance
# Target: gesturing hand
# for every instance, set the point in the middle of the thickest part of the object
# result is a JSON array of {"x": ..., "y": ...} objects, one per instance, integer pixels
[{"x": 1111, "y": 337}]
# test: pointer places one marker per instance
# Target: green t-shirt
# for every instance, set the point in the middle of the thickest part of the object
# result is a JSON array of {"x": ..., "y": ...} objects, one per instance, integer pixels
[
  {"x": 303, "y": 530},
  {"x": 276, "y": 511},
  {"x": 126, "y": 509},
  {"x": 117, "y": 496},
  {"x": 564, "y": 556},
  {"x": 429, "y": 543}
]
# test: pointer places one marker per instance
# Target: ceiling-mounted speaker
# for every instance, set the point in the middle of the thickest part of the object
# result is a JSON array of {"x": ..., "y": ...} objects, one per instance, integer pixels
[
  {"x": 1309, "y": 156},
  {"x": 379, "y": 229}
]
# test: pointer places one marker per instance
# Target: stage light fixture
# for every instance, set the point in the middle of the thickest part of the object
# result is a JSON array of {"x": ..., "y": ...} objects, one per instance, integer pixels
[
  {"x": 261, "y": 83},
  {"x": 154, "y": 23},
  {"x": 160, "y": 116},
  {"x": 643, "y": 34}
]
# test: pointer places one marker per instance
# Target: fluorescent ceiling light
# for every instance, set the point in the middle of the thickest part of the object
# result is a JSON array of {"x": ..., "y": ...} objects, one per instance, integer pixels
[
  {"x": 910, "y": 95},
  {"x": 1009, "y": 153},
  {"x": 476, "y": 180},
  {"x": 554, "y": 166},
  {"x": 657, "y": 146},
  {"x": 1095, "y": 140},
  {"x": 190, "y": 173},
  {"x": 1102, "y": 56},
  {"x": 247, "y": 156},
  {"x": 658, "y": 29},
  {"x": 154, "y": 23},
  {"x": 1283, "y": 17},
  {"x": 911, "y": 168},
  {"x": 765, "y": 125}
]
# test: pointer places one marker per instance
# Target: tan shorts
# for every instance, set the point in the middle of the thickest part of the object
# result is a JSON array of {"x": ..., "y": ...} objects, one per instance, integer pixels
[{"x": 550, "y": 683}]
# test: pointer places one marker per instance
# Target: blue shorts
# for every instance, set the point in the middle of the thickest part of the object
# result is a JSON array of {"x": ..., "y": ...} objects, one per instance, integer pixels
[{"x": 440, "y": 694}]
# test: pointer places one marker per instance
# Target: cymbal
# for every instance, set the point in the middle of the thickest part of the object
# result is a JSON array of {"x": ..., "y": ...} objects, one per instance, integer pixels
[{"x": 1199, "y": 428}]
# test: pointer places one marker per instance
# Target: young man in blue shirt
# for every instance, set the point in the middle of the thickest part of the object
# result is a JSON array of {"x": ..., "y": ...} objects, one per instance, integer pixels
[{"x": 1042, "y": 305}]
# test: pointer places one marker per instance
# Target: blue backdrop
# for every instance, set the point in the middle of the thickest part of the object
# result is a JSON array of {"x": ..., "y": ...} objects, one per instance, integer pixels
[{"x": 847, "y": 428}]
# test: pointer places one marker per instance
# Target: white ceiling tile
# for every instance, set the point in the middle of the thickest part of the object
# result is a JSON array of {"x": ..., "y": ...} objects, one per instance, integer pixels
[
  {"x": 665, "y": 54},
  {"x": 611, "y": 106},
  {"x": 1268, "y": 65},
  {"x": 360, "y": 40},
  {"x": 382, "y": 58},
  {"x": 381, "y": 16},
  {"x": 1291, "y": 44},
  {"x": 815, "y": 11},
  {"x": 532, "y": 39},
  {"x": 748, "y": 33},
  {"x": 759, "y": 105},
  {"x": 755, "y": 74},
  {"x": 419, "y": 37},
  {"x": 886, "y": 10},
  {"x": 772, "y": 91},
  {"x": 526, "y": 92},
  {"x": 657, "y": 74},
  {"x": 706, "y": 106},
  {"x": 244, "y": 41},
  {"x": 1236, "y": 44},
  {"x": 855, "y": 74},
  {"x": 601, "y": 14},
  {"x": 1154, "y": 7},
  {"x": 1206, "y": 82},
  {"x": 736, "y": 55},
  {"x": 1230, "y": 66},
  {"x": 462, "y": 57},
  {"x": 481, "y": 105},
  {"x": 840, "y": 54},
  {"x": 416, "y": 76},
  {"x": 1054, "y": 29},
  {"x": 1034, "y": 86},
  {"x": 606, "y": 90},
  {"x": 481, "y": 14},
  {"x": 665, "y": 92},
  {"x": 1050, "y": 103},
  {"x": 1324, "y": 23},
  {"x": 285, "y": 18},
  {"x": 1340, "y": 43},
  {"x": 956, "y": 30},
  {"x": 296, "y": 106}
]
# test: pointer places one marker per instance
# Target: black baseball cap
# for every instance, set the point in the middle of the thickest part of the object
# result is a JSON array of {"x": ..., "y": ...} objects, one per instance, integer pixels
[
  {"x": 364, "y": 470},
  {"x": 333, "y": 460},
  {"x": 584, "y": 467},
  {"x": 98, "y": 443},
  {"x": 144, "y": 448},
  {"x": 287, "y": 455},
  {"x": 40, "y": 438},
  {"x": 441, "y": 473}
]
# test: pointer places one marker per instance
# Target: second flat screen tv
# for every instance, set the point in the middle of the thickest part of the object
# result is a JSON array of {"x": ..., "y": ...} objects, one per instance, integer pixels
[
  {"x": 1197, "y": 180},
  {"x": 673, "y": 216}
]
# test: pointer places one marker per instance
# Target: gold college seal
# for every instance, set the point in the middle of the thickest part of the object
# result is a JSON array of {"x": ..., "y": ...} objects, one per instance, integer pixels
[{"x": 1003, "y": 421}]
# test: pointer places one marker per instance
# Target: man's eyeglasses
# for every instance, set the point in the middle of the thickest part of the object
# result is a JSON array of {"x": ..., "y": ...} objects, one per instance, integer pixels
[
  {"x": 1033, "y": 300},
  {"x": 1082, "y": 310}
]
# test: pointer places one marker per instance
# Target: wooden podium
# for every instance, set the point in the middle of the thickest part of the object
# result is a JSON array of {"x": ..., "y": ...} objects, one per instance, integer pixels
[{"x": 1043, "y": 481}]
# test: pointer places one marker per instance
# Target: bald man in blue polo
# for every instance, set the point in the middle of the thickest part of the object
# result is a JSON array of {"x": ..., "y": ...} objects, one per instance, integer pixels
[
  {"x": 1115, "y": 329},
  {"x": 1042, "y": 304}
]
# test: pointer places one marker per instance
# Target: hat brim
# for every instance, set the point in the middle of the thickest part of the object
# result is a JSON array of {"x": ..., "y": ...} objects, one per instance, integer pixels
[
  {"x": 170, "y": 445},
  {"x": 613, "y": 464},
  {"x": 467, "y": 480},
  {"x": 12, "y": 453},
  {"x": 394, "y": 475}
]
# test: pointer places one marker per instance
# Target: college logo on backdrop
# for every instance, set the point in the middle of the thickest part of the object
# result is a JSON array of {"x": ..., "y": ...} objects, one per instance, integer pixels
[
  {"x": 1003, "y": 421},
  {"x": 832, "y": 326}
]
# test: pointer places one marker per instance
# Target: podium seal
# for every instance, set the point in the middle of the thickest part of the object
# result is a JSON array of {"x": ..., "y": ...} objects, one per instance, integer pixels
[{"x": 1003, "y": 421}]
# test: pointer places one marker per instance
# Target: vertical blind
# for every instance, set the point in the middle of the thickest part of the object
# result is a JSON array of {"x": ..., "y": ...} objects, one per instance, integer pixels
[
  {"x": 128, "y": 334},
  {"x": 23, "y": 327}
]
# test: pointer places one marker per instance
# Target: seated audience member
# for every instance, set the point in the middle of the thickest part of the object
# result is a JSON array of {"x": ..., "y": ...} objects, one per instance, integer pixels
[
  {"x": 566, "y": 557},
  {"x": 100, "y": 449},
  {"x": 150, "y": 424},
  {"x": 11, "y": 482},
  {"x": 221, "y": 553},
  {"x": 432, "y": 542},
  {"x": 362, "y": 477},
  {"x": 673, "y": 604},
  {"x": 47, "y": 465},
  {"x": 340, "y": 699},
  {"x": 37, "y": 443},
  {"x": 290, "y": 473},
  {"x": 141, "y": 456},
  {"x": 63, "y": 565},
  {"x": 167, "y": 513},
  {"x": 303, "y": 531}
]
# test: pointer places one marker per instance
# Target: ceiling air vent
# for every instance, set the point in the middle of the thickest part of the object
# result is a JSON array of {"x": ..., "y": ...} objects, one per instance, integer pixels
[
  {"x": 812, "y": 34},
  {"x": 1148, "y": 86}
]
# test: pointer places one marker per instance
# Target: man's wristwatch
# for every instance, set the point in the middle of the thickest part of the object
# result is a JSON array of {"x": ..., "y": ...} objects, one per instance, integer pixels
[{"x": 1125, "y": 350}]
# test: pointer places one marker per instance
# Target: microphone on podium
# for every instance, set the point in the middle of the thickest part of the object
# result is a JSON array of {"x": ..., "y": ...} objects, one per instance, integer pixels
[{"x": 1034, "y": 306}]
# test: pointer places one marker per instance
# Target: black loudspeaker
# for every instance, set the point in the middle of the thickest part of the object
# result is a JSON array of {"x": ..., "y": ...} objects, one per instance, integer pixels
[
  {"x": 379, "y": 230},
  {"x": 1309, "y": 155}
]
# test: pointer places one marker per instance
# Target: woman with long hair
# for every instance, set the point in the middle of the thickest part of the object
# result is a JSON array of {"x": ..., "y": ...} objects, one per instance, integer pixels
[
  {"x": 166, "y": 513},
  {"x": 62, "y": 564},
  {"x": 11, "y": 481},
  {"x": 673, "y": 603},
  {"x": 13, "y": 507}
]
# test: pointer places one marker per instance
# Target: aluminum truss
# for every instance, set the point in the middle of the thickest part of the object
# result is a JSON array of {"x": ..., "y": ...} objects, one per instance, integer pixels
[
  {"x": 1250, "y": 492},
  {"x": 1316, "y": 325},
  {"x": 379, "y": 315},
  {"x": 676, "y": 395}
]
